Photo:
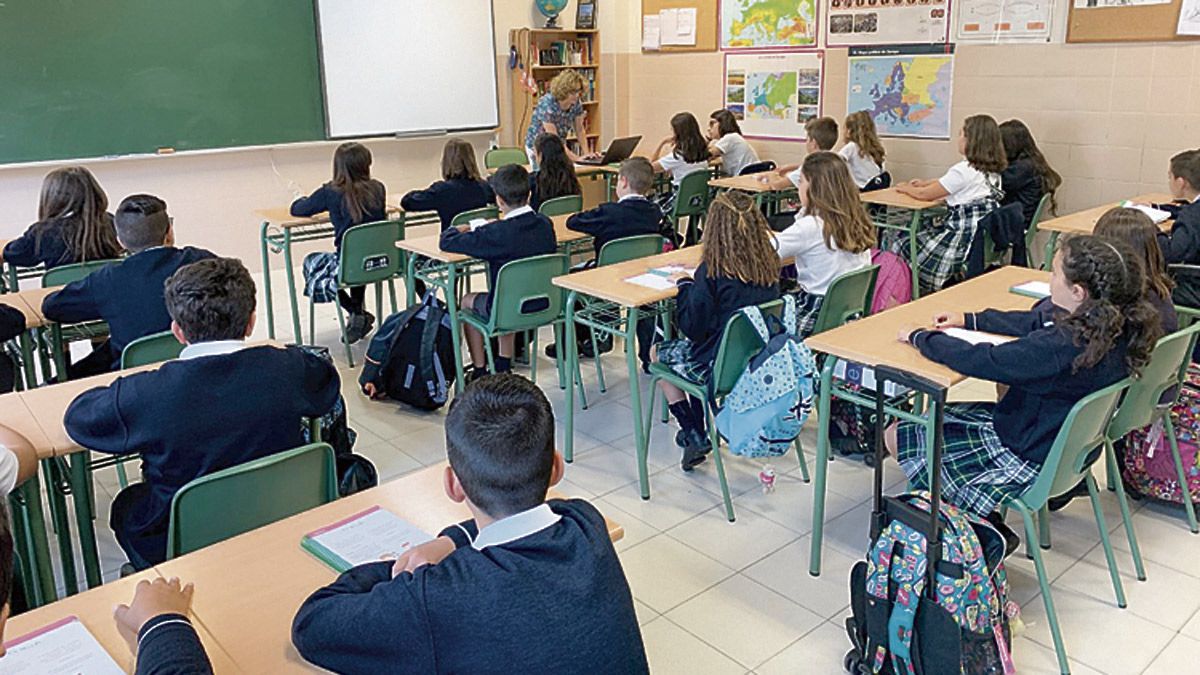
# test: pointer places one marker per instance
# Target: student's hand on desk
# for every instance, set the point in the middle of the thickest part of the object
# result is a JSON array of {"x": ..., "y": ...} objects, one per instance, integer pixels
[
  {"x": 944, "y": 320},
  {"x": 151, "y": 599},
  {"x": 907, "y": 330},
  {"x": 429, "y": 553}
]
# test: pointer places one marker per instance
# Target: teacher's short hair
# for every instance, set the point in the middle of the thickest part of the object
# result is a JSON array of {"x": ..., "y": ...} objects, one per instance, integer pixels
[
  {"x": 511, "y": 183},
  {"x": 566, "y": 83}
]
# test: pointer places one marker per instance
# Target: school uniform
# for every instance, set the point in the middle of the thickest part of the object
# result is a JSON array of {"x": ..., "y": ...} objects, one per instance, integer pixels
[
  {"x": 536, "y": 198},
  {"x": 449, "y": 198},
  {"x": 629, "y": 216},
  {"x": 863, "y": 168},
  {"x": 252, "y": 401},
  {"x": 12, "y": 324},
  {"x": 167, "y": 644},
  {"x": 678, "y": 168},
  {"x": 321, "y": 268},
  {"x": 1022, "y": 184},
  {"x": 818, "y": 263},
  {"x": 45, "y": 243},
  {"x": 1182, "y": 245},
  {"x": 992, "y": 452},
  {"x": 521, "y": 233},
  {"x": 126, "y": 294},
  {"x": 541, "y": 591},
  {"x": 736, "y": 154},
  {"x": 703, "y": 306}
]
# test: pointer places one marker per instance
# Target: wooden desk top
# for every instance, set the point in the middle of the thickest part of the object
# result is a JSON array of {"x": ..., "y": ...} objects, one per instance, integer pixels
[
  {"x": 580, "y": 169},
  {"x": 252, "y": 610},
  {"x": 281, "y": 216},
  {"x": 891, "y": 197},
  {"x": 15, "y": 414},
  {"x": 609, "y": 283},
  {"x": 872, "y": 341},
  {"x": 747, "y": 183},
  {"x": 94, "y": 609},
  {"x": 429, "y": 246},
  {"x": 22, "y": 301},
  {"x": 1083, "y": 222}
]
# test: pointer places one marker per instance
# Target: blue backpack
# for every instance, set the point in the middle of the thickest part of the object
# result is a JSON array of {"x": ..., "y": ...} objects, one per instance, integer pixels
[{"x": 762, "y": 415}]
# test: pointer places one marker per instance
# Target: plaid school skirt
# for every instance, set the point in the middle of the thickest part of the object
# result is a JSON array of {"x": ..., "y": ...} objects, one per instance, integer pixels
[
  {"x": 808, "y": 306},
  {"x": 321, "y": 276},
  {"x": 677, "y": 355},
  {"x": 943, "y": 247},
  {"x": 978, "y": 472}
]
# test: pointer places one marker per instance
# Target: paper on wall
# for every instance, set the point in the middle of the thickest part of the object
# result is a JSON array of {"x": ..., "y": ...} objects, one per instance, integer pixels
[
  {"x": 1189, "y": 18},
  {"x": 651, "y": 32},
  {"x": 686, "y": 28},
  {"x": 669, "y": 26}
]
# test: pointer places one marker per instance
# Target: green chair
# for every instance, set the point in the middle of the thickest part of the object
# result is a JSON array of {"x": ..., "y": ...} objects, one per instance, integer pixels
[
  {"x": 1032, "y": 231},
  {"x": 241, "y": 498},
  {"x": 154, "y": 348},
  {"x": 739, "y": 343},
  {"x": 485, "y": 213},
  {"x": 498, "y": 157},
  {"x": 65, "y": 274},
  {"x": 61, "y": 336},
  {"x": 691, "y": 202},
  {"x": 849, "y": 297},
  {"x": 1078, "y": 445},
  {"x": 520, "y": 282},
  {"x": 561, "y": 206},
  {"x": 368, "y": 256}
]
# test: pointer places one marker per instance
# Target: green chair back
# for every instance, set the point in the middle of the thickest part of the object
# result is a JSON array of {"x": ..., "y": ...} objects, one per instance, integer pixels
[
  {"x": 498, "y": 157},
  {"x": 693, "y": 194},
  {"x": 1038, "y": 214},
  {"x": 1079, "y": 443},
  {"x": 369, "y": 253},
  {"x": 523, "y": 280},
  {"x": 1167, "y": 369},
  {"x": 241, "y": 498},
  {"x": 65, "y": 274},
  {"x": 486, "y": 213},
  {"x": 739, "y": 343},
  {"x": 561, "y": 206},
  {"x": 154, "y": 348},
  {"x": 629, "y": 248},
  {"x": 849, "y": 297}
]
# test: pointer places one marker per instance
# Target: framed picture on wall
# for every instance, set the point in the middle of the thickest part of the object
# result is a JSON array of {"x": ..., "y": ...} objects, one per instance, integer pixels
[{"x": 585, "y": 15}]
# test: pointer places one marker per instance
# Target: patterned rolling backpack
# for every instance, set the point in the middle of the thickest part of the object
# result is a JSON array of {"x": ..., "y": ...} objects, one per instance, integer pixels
[{"x": 1148, "y": 465}]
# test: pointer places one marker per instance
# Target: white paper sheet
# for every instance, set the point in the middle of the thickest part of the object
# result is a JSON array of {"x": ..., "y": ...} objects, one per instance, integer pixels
[
  {"x": 374, "y": 535},
  {"x": 651, "y": 280},
  {"x": 686, "y": 27},
  {"x": 977, "y": 337},
  {"x": 477, "y": 223},
  {"x": 669, "y": 26},
  {"x": 1035, "y": 289},
  {"x": 1156, "y": 215},
  {"x": 651, "y": 32},
  {"x": 1189, "y": 18},
  {"x": 65, "y": 648}
]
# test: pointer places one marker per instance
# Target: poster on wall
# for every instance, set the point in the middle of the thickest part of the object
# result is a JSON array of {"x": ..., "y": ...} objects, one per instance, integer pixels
[
  {"x": 1089, "y": 4},
  {"x": 773, "y": 94},
  {"x": 886, "y": 22},
  {"x": 905, "y": 88},
  {"x": 768, "y": 24},
  {"x": 1004, "y": 20},
  {"x": 1189, "y": 18}
]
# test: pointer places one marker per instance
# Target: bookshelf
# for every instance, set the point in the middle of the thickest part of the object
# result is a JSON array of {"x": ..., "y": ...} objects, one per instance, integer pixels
[{"x": 546, "y": 53}]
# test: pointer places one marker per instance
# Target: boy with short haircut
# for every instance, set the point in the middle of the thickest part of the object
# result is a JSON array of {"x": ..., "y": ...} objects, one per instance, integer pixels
[
  {"x": 127, "y": 294},
  {"x": 527, "y": 586},
  {"x": 520, "y": 233},
  {"x": 222, "y": 403},
  {"x": 1182, "y": 245},
  {"x": 822, "y": 134}
]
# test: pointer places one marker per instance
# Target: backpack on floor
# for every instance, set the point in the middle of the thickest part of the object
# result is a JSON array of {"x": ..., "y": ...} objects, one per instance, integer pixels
[
  {"x": 893, "y": 285},
  {"x": 411, "y": 357},
  {"x": 1148, "y": 465},
  {"x": 355, "y": 472},
  {"x": 762, "y": 415}
]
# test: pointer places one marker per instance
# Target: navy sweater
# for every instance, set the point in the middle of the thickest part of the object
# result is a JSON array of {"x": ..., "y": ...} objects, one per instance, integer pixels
[
  {"x": 449, "y": 198},
  {"x": 128, "y": 295},
  {"x": 12, "y": 322},
  {"x": 503, "y": 241},
  {"x": 328, "y": 199},
  {"x": 45, "y": 243},
  {"x": 705, "y": 303},
  {"x": 1037, "y": 368},
  {"x": 555, "y": 601},
  {"x": 1182, "y": 245},
  {"x": 253, "y": 401},
  {"x": 1022, "y": 184},
  {"x": 614, "y": 220},
  {"x": 168, "y": 645}
]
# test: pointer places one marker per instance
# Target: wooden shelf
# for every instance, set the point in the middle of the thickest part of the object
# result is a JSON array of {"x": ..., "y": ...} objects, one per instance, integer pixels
[
  {"x": 591, "y": 65},
  {"x": 528, "y": 42},
  {"x": 559, "y": 31}
]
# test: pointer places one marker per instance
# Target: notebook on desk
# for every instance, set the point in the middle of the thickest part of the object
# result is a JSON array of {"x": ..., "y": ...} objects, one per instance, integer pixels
[
  {"x": 1033, "y": 289},
  {"x": 370, "y": 536},
  {"x": 64, "y": 647},
  {"x": 618, "y": 151}
]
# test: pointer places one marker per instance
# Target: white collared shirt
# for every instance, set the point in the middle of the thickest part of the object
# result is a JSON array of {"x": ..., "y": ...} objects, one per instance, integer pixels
[
  {"x": 213, "y": 348},
  {"x": 634, "y": 196},
  {"x": 516, "y": 526},
  {"x": 520, "y": 210}
]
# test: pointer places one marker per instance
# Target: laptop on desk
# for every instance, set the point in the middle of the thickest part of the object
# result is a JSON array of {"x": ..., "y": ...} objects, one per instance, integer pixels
[{"x": 618, "y": 151}]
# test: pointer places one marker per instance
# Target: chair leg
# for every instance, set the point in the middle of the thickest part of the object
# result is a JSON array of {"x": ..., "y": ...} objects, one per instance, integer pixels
[
  {"x": 1044, "y": 583},
  {"x": 1044, "y": 527},
  {"x": 596, "y": 360},
  {"x": 1094, "y": 494},
  {"x": 803, "y": 461},
  {"x": 342, "y": 325},
  {"x": 379, "y": 300},
  {"x": 533, "y": 357},
  {"x": 1134, "y": 549},
  {"x": 122, "y": 479},
  {"x": 491, "y": 357},
  {"x": 715, "y": 439},
  {"x": 1184, "y": 488},
  {"x": 312, "y": 322},
  {"x": 392, "y": 292}
]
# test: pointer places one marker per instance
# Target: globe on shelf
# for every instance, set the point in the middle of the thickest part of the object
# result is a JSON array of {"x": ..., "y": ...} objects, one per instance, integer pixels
[{"x": 550, "y": 9}]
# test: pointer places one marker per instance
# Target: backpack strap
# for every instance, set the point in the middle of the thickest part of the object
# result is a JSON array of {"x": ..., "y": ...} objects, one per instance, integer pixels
[
  {"x": 791, "y": 318},
  {"x": 755, "y": 316},
  {"x": 910, "y": 577}
]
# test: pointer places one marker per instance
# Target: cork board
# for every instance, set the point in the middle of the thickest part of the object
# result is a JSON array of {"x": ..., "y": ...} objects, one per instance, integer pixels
[
  {"x": 707, "y": 18},
  {"x": 1134, "y": 23}
]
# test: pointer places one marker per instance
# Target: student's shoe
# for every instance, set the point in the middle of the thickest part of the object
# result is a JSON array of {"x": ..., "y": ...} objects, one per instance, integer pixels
[
  {"x": 1011, "y": 540},
  {"x": 370, "y": 322},
  {"x": 1060, "y": 502},
  {"x": 695, "y": 449},
  {"x": 586, "y": 350},
  {"x": 356, "y": 328},
  {"x": 604, "y": 344},
  {"x": 475, "y": 373}
]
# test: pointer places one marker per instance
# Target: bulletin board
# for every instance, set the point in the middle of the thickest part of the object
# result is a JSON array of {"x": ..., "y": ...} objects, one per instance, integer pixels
[
  {"x": 1127, "y": 23},
  {"x": 706, "y": 23}
]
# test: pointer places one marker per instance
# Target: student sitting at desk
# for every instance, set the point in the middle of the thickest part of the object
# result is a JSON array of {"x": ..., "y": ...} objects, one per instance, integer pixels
[
  {"x": 1182, "y": 245},
  {"x": 864, "y": 153},
  {"x": 726, "y": 142},
  {"x": 127, "y": 294},
  {"x": 220, "y": 404},
  {"x": 993, "y": 452},
  {"x": 555, "y": 176},
  {"x": 688, "y": 152},
  {"x": 461, "y": 188},
  {"x": 351, "y": 198},
  {"x": 73, "y": 224},
  {"x": 1029, "y": 176},
  {"x": 526, "y": 586},
  {"x": 520, "y": 233}
]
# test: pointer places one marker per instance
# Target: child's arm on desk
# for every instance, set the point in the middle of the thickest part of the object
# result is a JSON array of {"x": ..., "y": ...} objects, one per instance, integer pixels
[
  {"x": 317, "y": 202},
  {"x": 73, "y": 303},
  {"x": 156, "y": 626},
  {"x": 1023, "y": 361},
  {"x": 925, "y": 190}
]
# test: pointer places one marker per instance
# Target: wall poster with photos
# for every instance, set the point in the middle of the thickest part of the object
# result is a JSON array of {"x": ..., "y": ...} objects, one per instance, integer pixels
[
  {"x": 885, "y": 22},
  {"x": 773, "y": 94}
]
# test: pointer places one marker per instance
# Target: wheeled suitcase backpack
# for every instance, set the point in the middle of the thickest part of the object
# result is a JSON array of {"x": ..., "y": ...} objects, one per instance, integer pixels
[{"x": 920, "y": 609}]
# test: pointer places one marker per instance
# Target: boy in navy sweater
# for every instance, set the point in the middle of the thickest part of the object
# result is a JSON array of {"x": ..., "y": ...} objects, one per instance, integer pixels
[
  {"x": 221, "y": 404},
  {"x": 526, "y": 586},
  {"x": 129, "y": 294},
  {"x": 520, "y": 233},
  {"x": 1182, "y": 245}
]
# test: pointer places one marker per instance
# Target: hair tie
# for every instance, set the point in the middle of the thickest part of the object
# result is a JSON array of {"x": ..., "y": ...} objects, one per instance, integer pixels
[{"x": 1114, "y": 250}]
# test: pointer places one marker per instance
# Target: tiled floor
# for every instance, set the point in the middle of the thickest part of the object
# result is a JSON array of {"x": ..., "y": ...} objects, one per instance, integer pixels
[{"x": 717, "y": 597}]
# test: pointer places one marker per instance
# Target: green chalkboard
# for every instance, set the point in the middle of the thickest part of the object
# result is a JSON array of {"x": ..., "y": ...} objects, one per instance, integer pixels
[{"x": 91, "y": 78}]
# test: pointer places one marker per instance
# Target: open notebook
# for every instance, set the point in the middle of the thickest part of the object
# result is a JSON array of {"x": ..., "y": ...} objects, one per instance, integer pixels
[
  {"x": 370, "y": 536},
  {"x": 1033, "y": 289},
  {"x": 659, "y": 277},
  {"x": 65, "y": 647}
]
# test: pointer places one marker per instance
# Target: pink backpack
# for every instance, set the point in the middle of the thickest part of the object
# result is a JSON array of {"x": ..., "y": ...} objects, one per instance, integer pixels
[
  {"x": 1149, "y": 467},
  {"x": 893, "y": 286}
]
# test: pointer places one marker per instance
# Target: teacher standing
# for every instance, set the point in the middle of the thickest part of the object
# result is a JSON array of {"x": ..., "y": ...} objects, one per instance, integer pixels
[{"x": 558, "y": 112}]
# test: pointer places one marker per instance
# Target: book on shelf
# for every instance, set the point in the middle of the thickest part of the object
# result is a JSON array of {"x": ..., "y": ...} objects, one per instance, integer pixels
[{"x": 566, "y": 53}]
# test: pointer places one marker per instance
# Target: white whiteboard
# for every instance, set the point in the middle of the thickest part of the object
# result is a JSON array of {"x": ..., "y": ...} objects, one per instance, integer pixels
[{"x": 407, "y": 66}]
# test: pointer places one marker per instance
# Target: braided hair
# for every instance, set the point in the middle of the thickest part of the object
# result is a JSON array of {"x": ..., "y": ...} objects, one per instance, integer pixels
[{"x": 1115, "y": 308}]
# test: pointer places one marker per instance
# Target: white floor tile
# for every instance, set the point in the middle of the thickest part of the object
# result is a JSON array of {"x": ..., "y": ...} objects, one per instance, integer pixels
[
  {"x": 672, "y": 650},
  {"x": 786, "y": 572},
  {"x": 820, "y": 651},
  {"x": 1031, "y": 658},
  {"x": 663, "y": 573},
  {"x": 736, "y": 544},
  {"x": 791, "y": 503},
  {"x": 1167, "y": 597},
  {"x": 1178, "y": 657},
  {"x": 672, "y": 500}
]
